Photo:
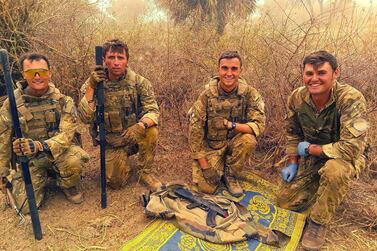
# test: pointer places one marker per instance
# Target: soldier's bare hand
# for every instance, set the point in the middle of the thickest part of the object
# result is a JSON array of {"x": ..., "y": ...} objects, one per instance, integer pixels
[
  {"x": 211, "y": 176},
  {"x": 98, "y": 75},
  {"x": 134, "y": 134}
]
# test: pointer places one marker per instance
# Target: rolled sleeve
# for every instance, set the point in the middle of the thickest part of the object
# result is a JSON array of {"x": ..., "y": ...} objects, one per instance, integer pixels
[
  {"x": 67, "y": 128},
  {"x": 148, "y": 101},
  {"x": 197, "y": 118},
  {"x": 256, "y": 118},
  {"x": 293, "y": 129},
  {"x": 85, "y": 112}
]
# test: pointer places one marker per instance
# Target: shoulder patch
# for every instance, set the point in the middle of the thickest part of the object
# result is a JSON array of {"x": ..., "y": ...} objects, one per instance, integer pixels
[{"x": 358, "y": 127}]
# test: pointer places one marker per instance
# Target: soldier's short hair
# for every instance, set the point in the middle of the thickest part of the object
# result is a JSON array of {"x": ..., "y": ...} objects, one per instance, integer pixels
[
  {"x": 229, "y": 55},
  {"x": 320, "y": 57},
  {"x": 32, "y": 56},
  {"x": 115, "y": 45}
]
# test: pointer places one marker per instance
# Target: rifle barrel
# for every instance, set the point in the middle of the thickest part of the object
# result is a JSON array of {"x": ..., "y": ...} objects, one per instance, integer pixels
[{"x": 4, "y": 60}]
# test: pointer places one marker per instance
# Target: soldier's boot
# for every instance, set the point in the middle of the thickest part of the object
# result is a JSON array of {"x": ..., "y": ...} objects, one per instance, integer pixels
[
  {"x": 314, "y": 236},
  {"x": 150, "y": 181},
  {"x": 73, "y": 195},
  {"x": 233, "y": 186}
]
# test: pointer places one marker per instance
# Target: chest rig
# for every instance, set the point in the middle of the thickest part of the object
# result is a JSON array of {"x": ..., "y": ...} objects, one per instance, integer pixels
[
  {"x": 231, "y": 107},
  {"x": 319, "y": 128},
  {"x": 122, "y": 104},
  {"x": 42, "y": 115}
]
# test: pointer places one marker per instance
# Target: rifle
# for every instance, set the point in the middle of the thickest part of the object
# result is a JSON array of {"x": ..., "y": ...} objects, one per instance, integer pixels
[
  {"x": 10, "y": 199},
  {"x": 4, "y": 60},
  {"x": 206, "y": 205},
  {"x": 100, "y": 117}
]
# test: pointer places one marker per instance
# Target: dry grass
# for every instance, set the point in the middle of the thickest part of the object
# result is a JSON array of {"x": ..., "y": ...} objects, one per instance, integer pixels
[{"x": 179, "y": 60}]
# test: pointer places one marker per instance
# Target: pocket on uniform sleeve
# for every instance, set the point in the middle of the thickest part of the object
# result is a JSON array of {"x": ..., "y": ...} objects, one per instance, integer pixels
[{"x": 358, "y": 127}]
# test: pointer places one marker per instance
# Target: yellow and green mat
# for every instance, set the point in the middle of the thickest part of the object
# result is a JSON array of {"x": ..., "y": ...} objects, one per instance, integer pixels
[{"x": 260, "y": 199}]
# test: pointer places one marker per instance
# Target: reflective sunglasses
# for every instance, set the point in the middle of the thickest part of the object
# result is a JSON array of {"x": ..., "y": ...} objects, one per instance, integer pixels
[{"x": 30, "y": 73}]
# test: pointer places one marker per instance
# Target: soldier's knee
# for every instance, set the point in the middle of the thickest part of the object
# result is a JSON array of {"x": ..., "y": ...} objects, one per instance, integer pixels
[
  {"x": 294, "y": 200},
  {"x": 116, "y": 182},
  {"x": 335, "y": 171},
  {"x": 151, "y": 134},
  {"x": 247, "y": 142}
]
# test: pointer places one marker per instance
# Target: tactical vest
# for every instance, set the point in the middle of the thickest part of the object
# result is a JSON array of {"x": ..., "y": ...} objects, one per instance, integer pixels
[
  {"x": 319, "y": 128},
  {"x": 41, "y": 114},
  {"x": 122, "y": 103},
  {"x": 232, "y": 108}
]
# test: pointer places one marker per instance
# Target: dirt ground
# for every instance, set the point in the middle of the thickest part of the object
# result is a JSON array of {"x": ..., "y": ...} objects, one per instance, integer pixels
[{"x": 88, "y": 227}]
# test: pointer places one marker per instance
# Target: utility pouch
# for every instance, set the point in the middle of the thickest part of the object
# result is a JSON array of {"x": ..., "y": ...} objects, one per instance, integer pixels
[
  {"x": 131, "y": 120},
  {"x": 50, "y": 117},
  {"x": 25, "y": 112},
  {"x": 115, "y": 121}
]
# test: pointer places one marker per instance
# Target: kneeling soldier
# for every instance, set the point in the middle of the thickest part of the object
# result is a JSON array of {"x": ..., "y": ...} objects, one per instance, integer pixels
[
  {"x": 326, "y": 137},
  {"x": 224, "y": 124},
  {"x": 48, "y": 122},
  {"x": 131, "y": 116}
]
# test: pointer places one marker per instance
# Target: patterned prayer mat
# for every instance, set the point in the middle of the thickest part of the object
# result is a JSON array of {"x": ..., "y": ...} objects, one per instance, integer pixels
[{"x": 260, "y": 197}]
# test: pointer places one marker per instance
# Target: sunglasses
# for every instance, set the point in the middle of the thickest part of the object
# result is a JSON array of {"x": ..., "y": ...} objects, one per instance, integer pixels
[{"x": 30, "y": 73}]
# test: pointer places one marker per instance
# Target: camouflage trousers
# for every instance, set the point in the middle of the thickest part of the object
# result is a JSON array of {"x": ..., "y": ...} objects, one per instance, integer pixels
[
  {"x": 320, "y": 184},
  {"x": 233, "y": 155},
  {"x": 118, "y": 167},
  {"x": 67, "y": 169}
]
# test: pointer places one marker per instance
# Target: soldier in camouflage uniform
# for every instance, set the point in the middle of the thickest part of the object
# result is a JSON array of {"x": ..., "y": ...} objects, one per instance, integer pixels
[
  {"x": 131, "y": 116},
  {"x": 326, "y": 136},
  {"x": 48, "y": 123},
  {"x": 224, "y": 124}
]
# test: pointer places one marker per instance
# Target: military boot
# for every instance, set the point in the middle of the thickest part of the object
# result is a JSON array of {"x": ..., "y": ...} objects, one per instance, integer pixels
[
  {"x": 73, "y": 195},
  {"x": 151, "y": 181},
  {"x": 233, "y": 186},
  {"x": 314, "y": 236}
]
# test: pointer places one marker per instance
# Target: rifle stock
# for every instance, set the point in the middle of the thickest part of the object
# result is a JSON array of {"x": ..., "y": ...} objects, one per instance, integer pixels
[
  {"x": 4, "y": 60},
  {"x": 100, "y": 116}
]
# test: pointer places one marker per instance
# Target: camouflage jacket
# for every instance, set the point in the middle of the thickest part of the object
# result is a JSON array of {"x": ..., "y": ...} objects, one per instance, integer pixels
[
  {"x": 120, "y": 96},
  {"x": 61, "y": 138},
  {"x": 340, "y": 127},
  {"x": 249, "y": 110}
]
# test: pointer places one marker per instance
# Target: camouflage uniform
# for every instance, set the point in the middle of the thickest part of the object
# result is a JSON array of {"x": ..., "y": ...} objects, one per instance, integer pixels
[
  {"x": 127, "y": 101},
  {"x": 340, "y": 128},
  {"x": 222, "y": 147},
  {"x": 50, "y": 118}
]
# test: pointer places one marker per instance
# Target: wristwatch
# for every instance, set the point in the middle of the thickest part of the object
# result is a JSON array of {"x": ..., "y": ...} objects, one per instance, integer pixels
[
  {"x": 45, "y": 147},
  {"x": 233, "y": 126},
  {"x": 307, "y": 150},
  {"x": 145, "y": 124}
]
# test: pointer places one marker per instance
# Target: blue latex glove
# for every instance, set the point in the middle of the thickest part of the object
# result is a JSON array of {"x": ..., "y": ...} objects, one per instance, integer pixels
[
  {"x": 289, "y": 172},
  {"x": 301, "y": 148}
]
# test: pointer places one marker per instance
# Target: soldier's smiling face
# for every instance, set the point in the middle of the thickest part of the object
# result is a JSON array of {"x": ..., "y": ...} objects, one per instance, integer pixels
[
  {"x": 229, "y": 72},
  {"x": 37, "y": 75},
  {"x": 320, "y": 79},
  {"x": 116, "y": 63}
]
